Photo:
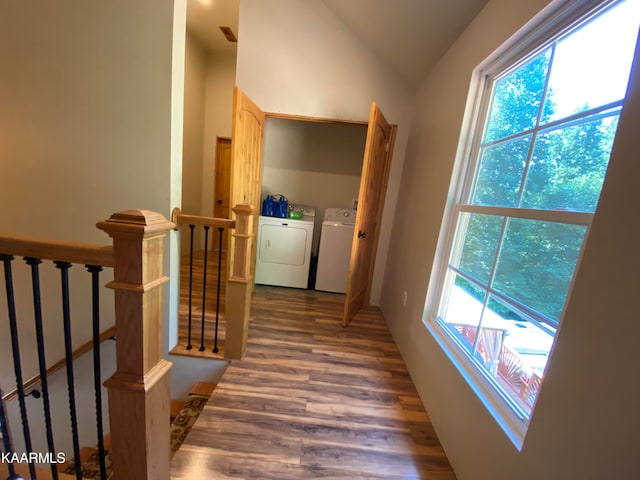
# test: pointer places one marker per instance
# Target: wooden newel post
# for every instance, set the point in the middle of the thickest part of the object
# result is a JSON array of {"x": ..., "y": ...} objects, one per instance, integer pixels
[
  {"x": 139, "y": 390},
  {"x": 239, "y": 285}
]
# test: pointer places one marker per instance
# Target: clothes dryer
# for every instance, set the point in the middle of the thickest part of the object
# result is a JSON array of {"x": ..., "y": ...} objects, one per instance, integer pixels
[{"x": 284, "y": 249}]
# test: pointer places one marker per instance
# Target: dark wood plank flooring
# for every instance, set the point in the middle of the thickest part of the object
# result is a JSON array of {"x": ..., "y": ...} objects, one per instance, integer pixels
[{"x": 312, "y": 399}]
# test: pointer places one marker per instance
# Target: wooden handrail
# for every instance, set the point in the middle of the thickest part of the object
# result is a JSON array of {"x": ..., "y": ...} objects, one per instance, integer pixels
[
  {"x": 181, "y": 219},
  {"x": 139, "y": 390},
  {"x": 57, "y": 250},
  {"x": 84, "y": 348}
]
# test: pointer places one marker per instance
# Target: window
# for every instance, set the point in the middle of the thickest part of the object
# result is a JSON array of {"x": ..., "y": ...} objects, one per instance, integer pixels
[{"x": 537, "y": 158}]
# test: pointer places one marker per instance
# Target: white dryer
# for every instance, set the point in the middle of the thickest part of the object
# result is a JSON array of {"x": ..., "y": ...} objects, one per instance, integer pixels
[
  {"x": 334, "y": 254},
  {"x": 284, "y": 249}
]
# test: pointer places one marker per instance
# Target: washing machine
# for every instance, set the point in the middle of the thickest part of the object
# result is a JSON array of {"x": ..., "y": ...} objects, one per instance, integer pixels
[
  {"x": 334, "y": 254},
  {"x": 284, "y": 249}
]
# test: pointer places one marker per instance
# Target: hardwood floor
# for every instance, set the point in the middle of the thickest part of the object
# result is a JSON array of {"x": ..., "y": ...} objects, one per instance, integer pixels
[{"x": 312, "y": 399}]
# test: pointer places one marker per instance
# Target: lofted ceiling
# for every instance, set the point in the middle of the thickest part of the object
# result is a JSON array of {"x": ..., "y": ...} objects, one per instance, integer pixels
[
  {"x": 204, "y": 19},
  {"x": 409, "y": 35}
]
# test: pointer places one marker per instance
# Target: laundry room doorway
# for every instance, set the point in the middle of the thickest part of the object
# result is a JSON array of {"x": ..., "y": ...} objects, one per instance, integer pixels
[{"x": 246, "y": 185}]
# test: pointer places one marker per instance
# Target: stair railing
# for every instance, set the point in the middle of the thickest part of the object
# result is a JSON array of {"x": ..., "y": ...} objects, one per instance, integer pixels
[
  {"x": 64, "y": 255},
  {"x": 206, "y": 223},
  {"x": 139, "y": 389},
  {"x": 237, "y": 294},
  {"x": 31, "y": 385}
]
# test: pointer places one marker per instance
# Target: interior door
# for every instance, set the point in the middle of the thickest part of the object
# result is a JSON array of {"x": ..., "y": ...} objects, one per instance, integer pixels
[
  {"x": 222, "y": 185},
  {"x": 246, "y": 161},
  {"x": 373, "y": 184}
]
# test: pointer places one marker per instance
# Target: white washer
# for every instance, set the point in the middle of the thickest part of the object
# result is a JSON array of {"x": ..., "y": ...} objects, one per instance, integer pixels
[
  {"x": 334, "y": 254},
  {"x": 284, "y": 249}
]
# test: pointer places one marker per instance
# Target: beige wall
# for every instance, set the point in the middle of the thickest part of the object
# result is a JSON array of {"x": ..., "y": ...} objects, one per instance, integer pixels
[
  {"x": 85, "y": 124},
  {"x": 298, "y": 58},
  {"x": 221, "y": 78},
  {"x": 195, "y": 105},
  {"x": 586, "y": 422},
  {"x": 195, "y": 79},
  {"x": 86, "y": 117},
  {"x": 209, "y": 81}
]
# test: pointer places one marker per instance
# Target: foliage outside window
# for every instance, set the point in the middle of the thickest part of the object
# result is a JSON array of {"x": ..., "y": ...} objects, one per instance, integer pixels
[{"x": 539, "y": 157}]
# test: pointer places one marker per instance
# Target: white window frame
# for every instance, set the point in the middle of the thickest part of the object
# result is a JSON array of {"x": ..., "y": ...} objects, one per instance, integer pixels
[{"x": 520, "y": 49}]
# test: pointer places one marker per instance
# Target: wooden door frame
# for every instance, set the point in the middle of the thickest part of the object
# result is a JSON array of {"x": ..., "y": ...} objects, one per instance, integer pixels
[
  {"x": 381, "y": 198},
  {"x": 304, "y": 118}
]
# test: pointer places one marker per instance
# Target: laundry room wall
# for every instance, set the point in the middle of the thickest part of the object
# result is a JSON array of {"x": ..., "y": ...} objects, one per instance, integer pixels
[{"x": 312, "y": 163}]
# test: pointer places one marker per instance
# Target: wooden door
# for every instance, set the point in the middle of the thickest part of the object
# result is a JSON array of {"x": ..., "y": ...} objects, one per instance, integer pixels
[
  {"x": 373, "y": 185},
  {"x": 246, "y": 161},
  {"x": 222, "y": 185}
]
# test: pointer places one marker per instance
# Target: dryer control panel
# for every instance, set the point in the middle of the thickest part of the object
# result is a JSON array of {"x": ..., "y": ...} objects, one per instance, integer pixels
[
  {"x": 346, "y": 216},
  {"x": 308, "y": 212}
]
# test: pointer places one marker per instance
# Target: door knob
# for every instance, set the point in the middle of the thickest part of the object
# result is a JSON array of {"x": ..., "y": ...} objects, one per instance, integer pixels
[{"x": 362, "y": 234}]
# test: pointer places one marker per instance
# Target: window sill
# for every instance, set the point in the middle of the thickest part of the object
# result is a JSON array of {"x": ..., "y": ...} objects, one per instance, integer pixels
[{"x": 512, "y": 424}]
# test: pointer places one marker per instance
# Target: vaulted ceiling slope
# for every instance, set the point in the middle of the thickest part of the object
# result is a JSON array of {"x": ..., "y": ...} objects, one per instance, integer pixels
[{"x": 410, "y": 35}]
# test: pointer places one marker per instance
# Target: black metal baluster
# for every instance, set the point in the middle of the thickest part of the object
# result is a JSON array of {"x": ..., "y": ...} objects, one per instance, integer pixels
[
  {"x": 15, "y": 347},
  {"x": 215, "y": 339},
  {"x": 97, "y": 383},
  {"x": 6, "y": 439},
  {"x": 191, "y": 227},
  {"x": 42, "y": 361},
  {"x": 66, "y": 314},
  {"x": 204, "y": 285}
]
